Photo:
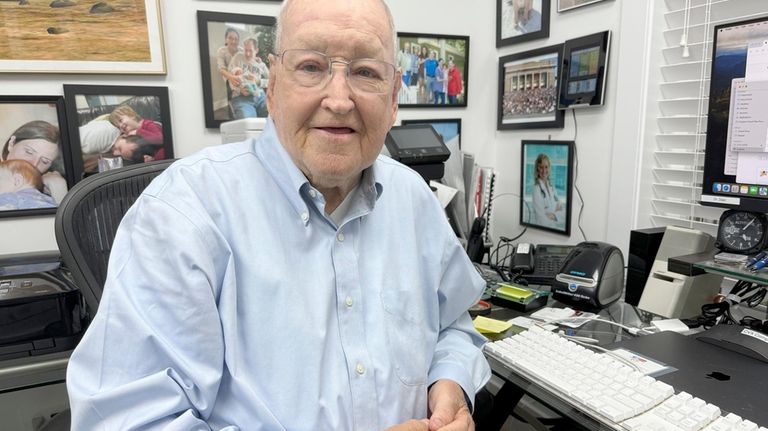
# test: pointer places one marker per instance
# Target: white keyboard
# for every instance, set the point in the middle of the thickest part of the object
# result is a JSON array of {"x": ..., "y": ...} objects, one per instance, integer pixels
[{"x": 606, "y": 388}]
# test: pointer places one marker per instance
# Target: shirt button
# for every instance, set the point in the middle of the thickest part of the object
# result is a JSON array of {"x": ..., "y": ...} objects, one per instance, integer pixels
[
  {"x": 312, "y": 193},
  {"x": 340, "y": 237},
  {"x": 360, "y": 369},
  {"x": 304, "y": 216},
  {"x": 349, "y": 301}
]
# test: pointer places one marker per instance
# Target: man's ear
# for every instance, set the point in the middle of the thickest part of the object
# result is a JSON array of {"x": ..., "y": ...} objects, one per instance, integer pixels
[
  {"x": 18, "y": 181},
  {"x": 272, "y": 58},
  {"x": 395, "y": 92}
]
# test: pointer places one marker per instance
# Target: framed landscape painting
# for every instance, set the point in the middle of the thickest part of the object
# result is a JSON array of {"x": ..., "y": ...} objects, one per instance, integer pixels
[
  {"x": 35, "y": 168},
  {"x": 66, "y": 36}
]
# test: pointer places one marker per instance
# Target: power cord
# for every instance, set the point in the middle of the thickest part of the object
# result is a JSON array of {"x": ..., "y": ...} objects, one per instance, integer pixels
[{"x": 576, "y": 174}]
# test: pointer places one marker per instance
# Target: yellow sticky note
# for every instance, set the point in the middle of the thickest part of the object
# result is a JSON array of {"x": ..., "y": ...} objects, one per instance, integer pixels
[{"x": 491, "y": 326}]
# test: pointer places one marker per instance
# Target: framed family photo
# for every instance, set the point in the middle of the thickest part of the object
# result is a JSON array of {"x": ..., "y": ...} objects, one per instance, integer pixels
[
  {"x": 546, "y": 183},
  {"x": 448, "y": 128},
  {"x": 121, "y": 36},
  {"x": 529, "y": 90},
  {"x": 35, "y": 165},
  {"x": 233, "y": 58},
  {"x": 521, "y": 20},
  {"x": 434, "y": 69},
  {"x": 115, "y": 126},
  {"x": 566, "y": 5}
]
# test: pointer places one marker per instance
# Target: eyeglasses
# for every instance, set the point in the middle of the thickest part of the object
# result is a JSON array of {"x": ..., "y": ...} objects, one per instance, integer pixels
[{"x": 314, "y": 69}]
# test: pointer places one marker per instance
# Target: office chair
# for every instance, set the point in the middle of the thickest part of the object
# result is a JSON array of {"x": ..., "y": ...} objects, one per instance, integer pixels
[{"x": 87, "y": 219}]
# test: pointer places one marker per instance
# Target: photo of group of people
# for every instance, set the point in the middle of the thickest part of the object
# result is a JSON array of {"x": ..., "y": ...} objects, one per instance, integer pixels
[
  {"x": 33, "y": 174},
  {"x": 234, "y": 50},
  {"x": 433, "y": 69},
  {"x": 529, "y": 95},
  {"x": 112, "y": 127}
]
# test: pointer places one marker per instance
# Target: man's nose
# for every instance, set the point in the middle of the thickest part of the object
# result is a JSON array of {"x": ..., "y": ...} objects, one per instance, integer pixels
[{"x": 338, "y": 91}]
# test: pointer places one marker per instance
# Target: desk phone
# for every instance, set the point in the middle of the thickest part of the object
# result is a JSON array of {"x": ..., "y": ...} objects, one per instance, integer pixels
[{"x": 547, "y": 260}]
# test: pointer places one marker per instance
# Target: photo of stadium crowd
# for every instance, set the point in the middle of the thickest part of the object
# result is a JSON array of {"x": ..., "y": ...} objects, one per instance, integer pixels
[{"x": 529, "y": 83}]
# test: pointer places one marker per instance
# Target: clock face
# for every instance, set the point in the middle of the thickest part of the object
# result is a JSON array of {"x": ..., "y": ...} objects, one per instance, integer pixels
[{"x": 741, "y": 232}]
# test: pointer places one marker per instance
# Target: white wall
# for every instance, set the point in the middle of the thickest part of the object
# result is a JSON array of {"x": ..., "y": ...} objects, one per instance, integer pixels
[{"x": 597, "y": 149}]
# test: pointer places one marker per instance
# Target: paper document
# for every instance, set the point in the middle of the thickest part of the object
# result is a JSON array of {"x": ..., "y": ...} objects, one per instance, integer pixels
[
  {"x": 485, "y": 325},
  {"x": 445, "y": 194}
]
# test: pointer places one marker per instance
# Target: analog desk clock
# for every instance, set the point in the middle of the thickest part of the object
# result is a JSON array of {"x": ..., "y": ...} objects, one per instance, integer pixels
[{"x": 742, "y": 232}]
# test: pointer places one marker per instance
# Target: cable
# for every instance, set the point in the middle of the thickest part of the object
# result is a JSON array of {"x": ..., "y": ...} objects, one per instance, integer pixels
[
  {"x": 576, "y": 174},
  {"x": 631, "y": 330}
]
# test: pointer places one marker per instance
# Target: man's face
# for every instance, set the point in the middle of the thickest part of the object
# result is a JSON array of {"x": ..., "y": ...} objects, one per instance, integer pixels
[
  {"x": 249, "y": 50},
  {"x": 123, "y": 148},
  {"x": 333, "y": 133}
]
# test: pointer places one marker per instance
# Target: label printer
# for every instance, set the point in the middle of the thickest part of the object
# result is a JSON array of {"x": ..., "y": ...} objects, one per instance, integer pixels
[{"x": 41, "y": 310}]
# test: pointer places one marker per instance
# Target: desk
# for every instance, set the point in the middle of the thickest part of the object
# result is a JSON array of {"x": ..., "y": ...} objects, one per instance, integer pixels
[{"x": 515, "y": 385}]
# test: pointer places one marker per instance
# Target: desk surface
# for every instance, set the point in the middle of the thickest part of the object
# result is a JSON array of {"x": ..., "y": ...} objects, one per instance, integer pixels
[{"x": 605, "y": 333}]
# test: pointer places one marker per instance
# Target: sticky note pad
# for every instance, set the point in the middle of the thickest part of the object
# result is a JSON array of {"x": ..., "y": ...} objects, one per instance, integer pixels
[
  {"x": 513, "y": 292},
  {"x": 491, "y": 326}
]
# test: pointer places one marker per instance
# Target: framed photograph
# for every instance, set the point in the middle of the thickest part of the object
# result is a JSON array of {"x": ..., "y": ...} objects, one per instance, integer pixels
[
  {"x": 521, "y": 20},
  {"x": 529, "y": 90},
  {"x": 114, "y": 126},
  {"x": 82, "y": 37},
  {"x": 565, "y": 5},
  {"x": 35, "y": 164},
  {"x": 434, "y": 69},
  {"x": 233, "y": 57},
  {"x": 546, "y": 180},
  {"x": 448, "y": 128}
]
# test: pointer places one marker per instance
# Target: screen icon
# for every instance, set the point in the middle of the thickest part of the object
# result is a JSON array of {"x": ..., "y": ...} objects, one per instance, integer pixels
[{"x": 726, "y": 188}]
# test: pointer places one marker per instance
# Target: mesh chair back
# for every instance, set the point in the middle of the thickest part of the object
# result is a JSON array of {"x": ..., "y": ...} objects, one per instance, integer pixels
[{"x": 88, "y": 217}]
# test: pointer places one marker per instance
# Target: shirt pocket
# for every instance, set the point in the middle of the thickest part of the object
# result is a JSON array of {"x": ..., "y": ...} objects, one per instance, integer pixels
[{"x": 410, "y": 347}]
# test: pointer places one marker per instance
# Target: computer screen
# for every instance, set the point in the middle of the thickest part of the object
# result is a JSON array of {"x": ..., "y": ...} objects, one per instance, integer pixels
[
  {"x": 583, "y": 72},
  {"x": 736, "y": 156}
]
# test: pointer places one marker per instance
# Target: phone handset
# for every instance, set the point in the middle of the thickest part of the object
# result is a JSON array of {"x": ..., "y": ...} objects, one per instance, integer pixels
[{"x": 522, "y": 261}]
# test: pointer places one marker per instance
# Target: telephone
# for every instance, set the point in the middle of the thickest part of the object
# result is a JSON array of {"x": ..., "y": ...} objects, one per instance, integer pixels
[
  {"x": 522, "y": 260},
  {"x": 538, "y": 264}
]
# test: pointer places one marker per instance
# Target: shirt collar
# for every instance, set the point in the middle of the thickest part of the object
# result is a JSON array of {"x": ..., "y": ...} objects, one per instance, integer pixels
[{"x": 292, "y": 181}]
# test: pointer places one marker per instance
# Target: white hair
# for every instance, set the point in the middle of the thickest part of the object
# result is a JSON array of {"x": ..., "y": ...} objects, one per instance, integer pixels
[{"x": 284, "y": 12}]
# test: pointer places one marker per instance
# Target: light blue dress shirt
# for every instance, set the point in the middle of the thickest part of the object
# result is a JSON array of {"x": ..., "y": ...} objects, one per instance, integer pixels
[{"x": 232, "y": 302}]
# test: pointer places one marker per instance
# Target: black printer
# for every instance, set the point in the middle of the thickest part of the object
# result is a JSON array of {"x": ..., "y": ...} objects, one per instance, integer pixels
[
  {"x": 41, "y": 310},
  {"x": 591, "y": 277}
]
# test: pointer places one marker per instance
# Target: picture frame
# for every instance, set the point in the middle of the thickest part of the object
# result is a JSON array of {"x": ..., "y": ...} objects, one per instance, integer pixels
[
  {"x": 529, "y": 88},
  {"x": 50, "y": 39},
  {"x": 447, "y": 128},
  {"x": 566, "y": 5},
  {"x": 221, "y": 99},
  {"x": 35, "y": 163},
  {"x": 546, "y": 193},
  {"x": 427, "y": 50},
  {"x": 521, "y": 20},
  {"x": 112, "y": 126}
]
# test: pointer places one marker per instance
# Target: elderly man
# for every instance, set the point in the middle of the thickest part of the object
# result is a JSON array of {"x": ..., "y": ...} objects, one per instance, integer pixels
[{"x": 300, "y": 281}]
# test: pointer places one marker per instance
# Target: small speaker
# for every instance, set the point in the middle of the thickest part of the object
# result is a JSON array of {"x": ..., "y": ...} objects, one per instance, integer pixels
[{"x": 643, "y": 246}]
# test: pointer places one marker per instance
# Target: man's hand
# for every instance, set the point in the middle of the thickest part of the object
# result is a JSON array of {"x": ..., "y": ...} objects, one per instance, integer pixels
[
  {"x": 411, "y": 425},
  {"x": 449, "y": 408}
]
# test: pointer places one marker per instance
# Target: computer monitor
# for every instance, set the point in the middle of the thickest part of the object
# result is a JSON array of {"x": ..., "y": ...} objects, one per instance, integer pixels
[{"x": 736, "y": 158}]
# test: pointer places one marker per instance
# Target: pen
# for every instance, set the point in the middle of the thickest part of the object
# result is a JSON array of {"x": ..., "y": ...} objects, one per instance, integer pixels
[
  {"x": 760, "y": 264},
  {"x": 752, "y": 260}
]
